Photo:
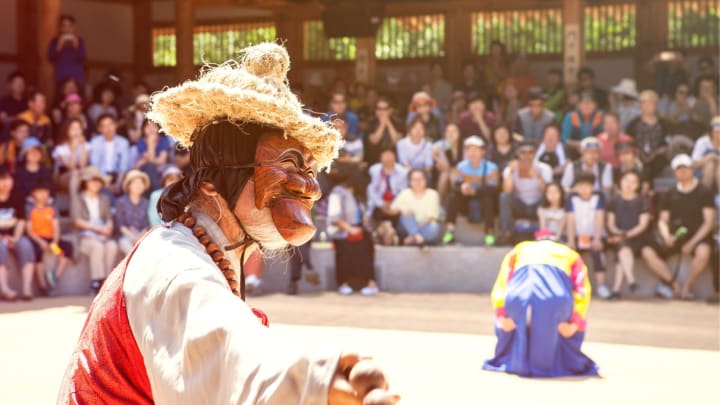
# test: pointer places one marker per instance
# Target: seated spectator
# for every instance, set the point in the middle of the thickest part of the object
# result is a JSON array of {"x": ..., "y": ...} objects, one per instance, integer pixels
[
  {"x": 502, "y": 149},
  {"x": 339, "y": 106},
  {"x": 415, "y": 150},
  {"x": 496, "y": 67},
  {"x": 706, "y": 68},
  {"x": 555, "y": 93},
  {"x": 586, "y": 226},
  {"x": 690, "y": 206},
  {"x": 423, "y": 106},
  {"x": 629, "y": 161},
  {"x": 471, "y": 83},
  {"x": 523, "y": 184},
  {"x": 40, "y": 123},
  {"x": 131, "y": 210},
  {"x": 583, "y": 122},
  {"x": 105, "y": 104},
  {"x": 706, "y": 106},
  {"x": 109, "y": 152},
  {"x": 135, "y": 118},
  {"x": 628, "y": 222},
  {"x": 354, "y": 250},
  {"x": 551, "y": 151},
  {"x": 387, "y": 179},
  {"x": 352, "y": 149},
  {"x": 649, "y": 132},
  {"x": 15, "y": 101},
  {"x": 706, "y": 156},
  {"x": 475, "y": 190},
  {"x": 151, "y": 152},
  {"x": 10, "y": 150},
  {"x": 623, "y": 102},
  {"x": 476, "y": 120},
  {"x": 608, "y": 139},
  {"x": 677, "y": 109},
  {"x": 440, "y": 88},
  {"x": 68, "y": 86},
  {"x": 586, "y": 84},
  {"x": 522, "y": 78},
  {"x": 92, "y": 216},
  {"x": 589, "y": 163},
  {"x": 551, "y": 212},
  {"x": 447, "y": 153},
  {"x": 71, "y": 108},
  {"x": 44, "y": 232},
  {"x": 170, "y": 175},
  {"x": 458, "y": 105},
  {"x": 12, "y": 238},
  {"x": 384, "y": 131},
  {"x": 531, "y": 120},
  {"x": 419, "y": 210},
  {"x": 509, "y": 102},
  {"x": 70, "y": 155},
  {"x": 32, "y": 170}
]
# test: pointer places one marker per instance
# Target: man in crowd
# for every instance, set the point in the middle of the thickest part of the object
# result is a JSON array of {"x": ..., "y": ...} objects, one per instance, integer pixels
[
  {"x": 583, "y": 122},
  {"x": 15, "y": 101},
  {"x": 706, "y": 156},
  {"x": 649, "y": 131},
  {"x": 589, "y": 163},
  {"x": 384, "y": 131},
  {"x": 688, "y": 205},
  {"x": 339, "y": 106},
  {"x": 476, "y": 120},
  {"x": 40, "y": 123},
  {"x": 555, "y": 93},
  {"x": 387, "y": 179},
  {"x": 531, "y": 120},
  {"x": 110, "y": 152},
  {"x": 611, "y": 137},
  {"x": 67, "y": 52},
  {"x": 586, "y": 83}
]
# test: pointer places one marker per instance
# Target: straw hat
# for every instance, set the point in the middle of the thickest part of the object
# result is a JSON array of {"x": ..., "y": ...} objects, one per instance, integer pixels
[
  {"x": 93, "y": 173},
  {"x": 421, "y": 97},
  {"x": 135, "y": 174},
  {"x": 252, "y": 90}
]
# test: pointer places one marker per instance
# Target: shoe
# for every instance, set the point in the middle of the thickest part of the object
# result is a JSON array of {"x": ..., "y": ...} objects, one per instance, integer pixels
[
  {"x": 51, "y": 278},
  {"x": 293, "y": 288},
  {"x": 448, "y": 238},
  {"x": 369, "y": 291},
  {"x": 26, "y": 297},
  {"x": 715, "y": 299},
  {"x": 312, "y": 277},
  {"x": 603, "y": 292},
  {"x": 490, "y": 240},
  {"x": 614, "y": 296},
  {"x": 633, "y": 287},
  {"x": 345, "y": 290},
  {"x": 664, "y": 291},
  {"x": 8, "y": 297}
]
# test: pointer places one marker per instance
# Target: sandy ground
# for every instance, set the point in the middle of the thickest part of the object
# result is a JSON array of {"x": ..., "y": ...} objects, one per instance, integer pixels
[{"x": 432, "y": 345}]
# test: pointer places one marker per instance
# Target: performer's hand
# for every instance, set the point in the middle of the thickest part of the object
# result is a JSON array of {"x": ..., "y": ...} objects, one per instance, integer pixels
[
  {"x": 342, "y": 393},
  {"x": 567, "y": 329},
  {"x": 507, "y": 324}
]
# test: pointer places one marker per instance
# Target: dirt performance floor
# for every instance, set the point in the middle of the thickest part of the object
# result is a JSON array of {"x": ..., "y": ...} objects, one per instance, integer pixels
[{"x": 432, "y": 346}]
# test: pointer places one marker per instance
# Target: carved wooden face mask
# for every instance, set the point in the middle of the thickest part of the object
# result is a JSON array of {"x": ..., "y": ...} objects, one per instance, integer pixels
[{"x": 285, "y": 183}]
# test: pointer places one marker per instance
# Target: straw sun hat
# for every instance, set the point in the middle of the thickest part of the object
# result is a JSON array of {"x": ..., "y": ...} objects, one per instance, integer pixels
[{"x": 253, "y": 90}]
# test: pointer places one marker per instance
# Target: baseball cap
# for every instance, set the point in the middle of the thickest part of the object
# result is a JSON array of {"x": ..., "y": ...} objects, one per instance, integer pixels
[
  {"x": 589, "y": 143},
  {"x": 681, "y": 160},
  {"x": 474, "y": 140},
  {"x": 30, "y": 143}
]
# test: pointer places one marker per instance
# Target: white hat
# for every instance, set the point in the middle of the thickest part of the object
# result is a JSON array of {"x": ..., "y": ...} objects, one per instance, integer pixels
[
  {"x": 681, "y": 160},
  {"x": 590, "y": 143},
  {"x": 627, "y": 87},
  {"x": 474, "y": 140}
]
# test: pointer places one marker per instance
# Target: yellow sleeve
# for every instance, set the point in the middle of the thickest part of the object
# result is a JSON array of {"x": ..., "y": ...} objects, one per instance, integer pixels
[
  {"x": 499, "y": 290},
  {"x": 581, "y": 291}
]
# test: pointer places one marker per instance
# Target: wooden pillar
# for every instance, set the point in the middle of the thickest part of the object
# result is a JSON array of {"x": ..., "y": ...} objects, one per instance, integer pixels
[
  {"x": 458, "y": 40},
  {"x": 574, "y": 39},
  {"x": 142, "y": 38},
  {"x": 184, "y": 22},
  {"x": 365, "y": 61},
  {"x": 652, "y": 34},
  {"x": 49, "y": 16},
  {"x": 289, "y": 27}
]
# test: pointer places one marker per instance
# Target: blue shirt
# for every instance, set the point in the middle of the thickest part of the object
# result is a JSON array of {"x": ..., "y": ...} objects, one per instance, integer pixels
[
  {"x": 118, "y": 162},
  {"x": 575, "y": 128},
  {"x": 69, "y": 61},
  {"x": 350, "y": 118},
  {"x": 484, "y": 174}
]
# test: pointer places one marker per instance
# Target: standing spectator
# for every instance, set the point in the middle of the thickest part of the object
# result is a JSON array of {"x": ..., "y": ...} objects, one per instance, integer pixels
[
  {"x": 151, "y": 152},
  {"x": 440, "y": 88},
  {"x": 475, "y": 190},
  {"x": 502, "y": 149},
  {"x": 522, "y": 78},
  {"x": 10, "y": 150},
  {"x": 706, "y": 105},
  {"x": 339, "y": 106},
  {"x": 358, "y": 92},
  {"x": 135, "y": 118},
  {"x": 44, "y": 232},
  {"x": 103, "y": 105},
  {"x": 649, "y": 132},
  {"x": 92, "y": 217},
  {"x": 70, "y": 155},
  {"x": 555, "y": 93},
  {"x": 610, "y": 138},
  {"x": 589, "y": 163},
  {"x": 15, "y": 101},
  {"x": 510, "y": 102},
  {"x": 470, "y": 83},
  {"x": 628, "y": 222},
  {"x": 367, "y": 110},
  {"x": 551, "y": 151},
  {"x": 586, "y": 226},
  {"x": 33, "y": 170},
  {"x": 71, "y": 109},
  {"x": 531, "y": 120},
  {"x": 424, "y": 107},
  {"x": 497, "y": 66},
  {"x": 586, "y": 83},
  {"x": 706, "y": 156},
  {"x": 458, "y": 105},
  {"x": 523, "y": 184},
  {"x": 110, "y": 152},
  {"x": 583, "y": 122},
  {"x": 12, "y": 227},
  {"x": 447, "y": 153},
  {"x": 415, "y": 150},
  {"x": 629, "y": 161},
  {"x": 384, "y": 131},
  {"x": 131, "y": 210},
  {"x": 170, "y": 175},
  {"x": 387, "y": 179},
  {"x": 354, "y": 250},
  {"x": 551, "y": 213},
  {"x": 668, "y": 69},
  {"x": 419, "y": 210},
  {"x": 623, "y": 102},
  {"x": 706, "y": 68},
  {"x": 67, "y": 52},
  {"x": 40, "y": 123},
  {"x": 476, "y": 120},
  {"x": 677, "y": 109},
  {"x": 689, "y": 205}
]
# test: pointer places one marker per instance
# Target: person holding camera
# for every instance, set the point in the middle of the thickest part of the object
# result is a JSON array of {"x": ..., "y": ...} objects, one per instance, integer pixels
[{"x": 67, "y": 52}]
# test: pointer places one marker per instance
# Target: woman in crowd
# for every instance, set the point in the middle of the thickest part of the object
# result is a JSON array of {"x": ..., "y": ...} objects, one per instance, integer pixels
[
  {"x": 497, "y": 66},
  {"x": 551, "y": 151},
  {"x": 458, "y": 105},
  {"x": 150, "y": 154},
  {"x": 502, "y": 149},
  {"x": 706, "y": 156},
  {"x": 419, "y": 210},
  {"x": 131, "y": 209},
  {"x": 104, "y": 104},
  {"x": 678, "y": 108},
  {"x": 425, "y": 107},
  {"x": 415, "y": 150},
  {"x": 509, "y": 103},
  {"x": 447, "y": 153},
  {"x": 551, "y": 213},
  {"x": 70, "y": 156},
  {"x": 70, "y": 109}
]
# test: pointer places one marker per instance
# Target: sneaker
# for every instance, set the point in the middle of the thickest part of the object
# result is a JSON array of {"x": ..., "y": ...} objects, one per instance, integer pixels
[
  {"x": 293, "y": 288},
  {"x": 345, "y": 290},
  {"x": 51, "y": 278},
  {"x": 664, "y": 291},
  {"x": 490, "y": 240},
  {"x": 448, "y": 238},
  {"x": 633, "y": 287},
  {"x": 615, "y": 296},
  {"x": 312, "y": 277},
  {"x": 370, "y": 291},
  {"x": 604, "y": 292}
]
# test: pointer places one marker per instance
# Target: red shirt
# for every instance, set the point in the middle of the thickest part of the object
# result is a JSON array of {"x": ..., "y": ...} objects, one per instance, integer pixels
[{"x": 607, "y": 150}]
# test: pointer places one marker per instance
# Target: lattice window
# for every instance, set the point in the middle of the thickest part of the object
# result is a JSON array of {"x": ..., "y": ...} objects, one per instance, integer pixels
[
  {"x": 211, "y": 43},
  {"x": 610, "y": 28},
  {"x": 693, "y": 24},
  {"x": 411, "y": 37},
  {"x": 522, "y": 31},
  {"x": 318, "y": 47}
]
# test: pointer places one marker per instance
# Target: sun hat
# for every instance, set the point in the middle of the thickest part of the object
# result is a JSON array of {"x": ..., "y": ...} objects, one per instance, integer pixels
[
  {"x": 255, "y": 90},
  {"x": 626, "y": 87},
  {"x": 93, "y": 173},
  {"x": 681, "y": 160},
  {"x": 171, "y": 170},
  {"x": 474, "y": 140},
  {"x": 421, "y": 97},
  {"x": 30, "y": 143},
  {"x": 135, "y": 174},
  {"x": 142, "y": 99},
  {"x": 590, "y": 143}
]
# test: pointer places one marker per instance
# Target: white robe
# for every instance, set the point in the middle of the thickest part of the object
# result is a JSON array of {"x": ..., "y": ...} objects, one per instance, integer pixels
[{"x": 202, "y": 344}]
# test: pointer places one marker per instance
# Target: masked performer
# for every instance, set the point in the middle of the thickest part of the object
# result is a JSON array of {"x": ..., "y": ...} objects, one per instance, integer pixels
[
  {"x": 540, "y": 299},
  {"x": 169, "y": 325}
]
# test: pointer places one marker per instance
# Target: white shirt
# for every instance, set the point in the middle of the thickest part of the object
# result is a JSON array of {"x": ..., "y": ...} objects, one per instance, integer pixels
[
  {"x": 93, "y": 207},
  {"x": 109, "y": 164},
  {"x": 702, "y": 147},
  {"x": 63, "y": 152},
  {"x": 529, "y": 190},
  {"x": 425, "y": 207}
]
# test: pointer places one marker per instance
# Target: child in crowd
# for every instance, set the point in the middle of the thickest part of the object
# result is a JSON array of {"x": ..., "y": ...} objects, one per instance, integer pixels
[
  {"x": 170, "y": 175},
  {"x": 586, "y": 224},
  {"x": 33, "y": 170},
  {"x": 44, "y": 232},
  {"x": 628, "y": 222},
  {"x": 551, "y": 213}
]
